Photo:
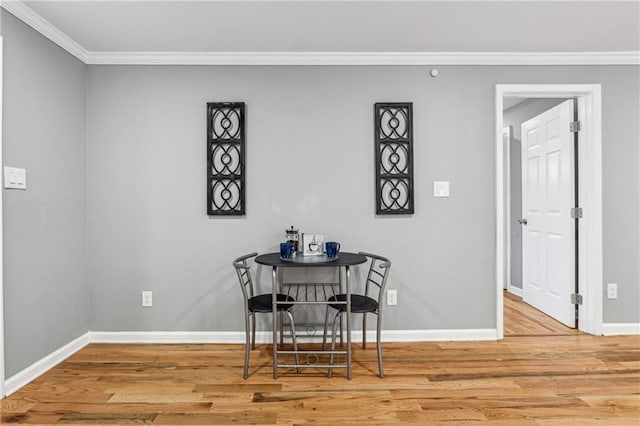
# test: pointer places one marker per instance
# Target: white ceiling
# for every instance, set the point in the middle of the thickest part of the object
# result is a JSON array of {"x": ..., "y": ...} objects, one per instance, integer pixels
[{"x": 345, "y": 26}]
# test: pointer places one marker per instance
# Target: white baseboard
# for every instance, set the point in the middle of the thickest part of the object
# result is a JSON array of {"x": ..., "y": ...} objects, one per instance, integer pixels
[
  {"x": 266, "y": 336},
  {"x": 40, "y": 367},
  {"x": 435, "y": 335},
  {"x": 618, "y": 329},
  {"x": 170, "y": 336},
  {"x": 515, "y": 291}
]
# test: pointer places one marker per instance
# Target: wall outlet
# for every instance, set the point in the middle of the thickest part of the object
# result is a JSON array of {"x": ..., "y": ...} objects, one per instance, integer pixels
[
  {"x": 612, "y": 291},
  {"x": 147, "y": 299},
  {"x": 392, "y": 297}
]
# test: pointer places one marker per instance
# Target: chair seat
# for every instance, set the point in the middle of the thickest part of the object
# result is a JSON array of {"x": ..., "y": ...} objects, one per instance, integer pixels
[
  {"x": 359, "y": 303},
  {"x": 263, "y": 302}
]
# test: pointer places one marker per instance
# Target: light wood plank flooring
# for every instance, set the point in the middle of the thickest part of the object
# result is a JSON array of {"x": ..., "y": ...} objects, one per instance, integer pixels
[
  {"x": 521, "y": 319},
  {"x": 559, "y": 376}
]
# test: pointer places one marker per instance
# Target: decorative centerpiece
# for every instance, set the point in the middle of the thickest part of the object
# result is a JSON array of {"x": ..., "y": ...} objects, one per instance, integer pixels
[{"x": 312, "y": 244}]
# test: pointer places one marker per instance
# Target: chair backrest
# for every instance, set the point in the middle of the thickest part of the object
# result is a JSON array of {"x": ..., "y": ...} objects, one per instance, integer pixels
[
  {"x": 243, "y": 270},
  {"x": 377, "y": 276}
]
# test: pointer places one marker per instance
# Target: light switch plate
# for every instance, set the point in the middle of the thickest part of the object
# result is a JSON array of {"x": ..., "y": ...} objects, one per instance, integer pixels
[
  {"x": 15, "y": 178},
  {"x": 147, "y": 299},
  {"x": 440, "y": 189},
  {"x": 612, "y": 291}
]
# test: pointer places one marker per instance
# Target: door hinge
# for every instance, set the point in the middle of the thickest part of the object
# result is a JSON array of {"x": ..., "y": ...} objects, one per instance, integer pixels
[
  {"x": 576, "y": 299},
  {"x": 575, "y": 126},
  {"x": 576, "y": 212}
]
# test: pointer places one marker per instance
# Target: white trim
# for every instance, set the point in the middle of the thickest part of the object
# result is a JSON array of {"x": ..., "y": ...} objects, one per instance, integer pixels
[
  {"x": 619, "y": 329},
  {"x": 500, "y": 213},
  {"x": 590, "y": 194},
  {"x": 590, "y": 255},
  {"x": 174, "y": 336},
  {"x": 508, "y": 133},
  {"x": 40, "y": 367},
  {"x": 516, "y": 291},
  {"x": 1, "y": 237},
  {"x": 266, "y": 336},
  {"x": 44, "y": 27},
  {"x": 452, "y": 335},
  {"x": 363, "y": 58}
]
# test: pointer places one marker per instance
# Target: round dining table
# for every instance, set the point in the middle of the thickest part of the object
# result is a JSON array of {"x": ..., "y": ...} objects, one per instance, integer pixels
[{"x": 344, "y": 260}]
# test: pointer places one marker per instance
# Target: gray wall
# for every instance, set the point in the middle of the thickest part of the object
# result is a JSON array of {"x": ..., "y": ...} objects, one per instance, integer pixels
[
  {"x": 148, "y": 228},
  {"x": 45, "y": 287},
  {"x": 138, "y": 169},
  {"x": 514, "y": 117}
]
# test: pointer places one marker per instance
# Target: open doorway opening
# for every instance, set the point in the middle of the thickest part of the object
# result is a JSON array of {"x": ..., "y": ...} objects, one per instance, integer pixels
[
  {"x": 589, "y": 191},
  {"x": 540, "y": 192}
]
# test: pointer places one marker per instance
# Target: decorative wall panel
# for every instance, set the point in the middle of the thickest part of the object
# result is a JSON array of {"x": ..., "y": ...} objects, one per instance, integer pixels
[
  {"x": 225, "y": 159},
  {"x": 394, "y": 158}
]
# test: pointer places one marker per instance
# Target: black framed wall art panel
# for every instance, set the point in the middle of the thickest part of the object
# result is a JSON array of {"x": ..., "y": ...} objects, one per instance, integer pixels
[
  {"x": 394, "y": 157},
  {"x": 226, "y": 166}
]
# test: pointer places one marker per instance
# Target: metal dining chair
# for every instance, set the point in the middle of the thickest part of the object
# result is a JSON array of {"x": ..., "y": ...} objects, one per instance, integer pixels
[
  {"x": 260, "y": 303},
  {"x": 368, "y": 303}
]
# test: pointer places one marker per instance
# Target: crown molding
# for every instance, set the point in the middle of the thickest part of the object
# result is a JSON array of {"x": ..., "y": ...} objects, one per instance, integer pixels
[
  {"x": 31, "y": 18},
  {"x": 44, "y": 27},
  {"x": 364, "y": 58}
]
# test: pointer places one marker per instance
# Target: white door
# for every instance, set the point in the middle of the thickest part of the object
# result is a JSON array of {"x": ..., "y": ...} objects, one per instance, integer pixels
[{"x": 548, "y": 230}]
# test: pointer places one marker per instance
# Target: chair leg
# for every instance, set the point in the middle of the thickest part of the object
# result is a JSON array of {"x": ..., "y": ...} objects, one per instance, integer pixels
[
  {"x": 247, "y": 344},
  {"x": 253, "y": 331},
  {"x": 364, "y": 330},
  {"x": 281, "y": 329},
  {"x": 295, "y": 343},
  {"x": 326, "y": 325},
  {"x": 333, "y": 341},
  {"x": 379, "y": 344}
]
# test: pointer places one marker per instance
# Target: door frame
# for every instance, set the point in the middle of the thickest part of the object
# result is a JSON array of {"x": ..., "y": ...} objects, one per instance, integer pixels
[
  {"x": 507, "y": 137},
  {"x": 1, "y": 241},
  {"x": 589, "y": 195}
]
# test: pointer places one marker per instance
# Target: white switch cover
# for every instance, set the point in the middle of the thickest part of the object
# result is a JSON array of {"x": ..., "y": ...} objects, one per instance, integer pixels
[
  {"x": 440, "y": 189},
  {"x": 612, "y": 291},
  {"x": 147, "y": 299},
  {"x": 15, "y": 178}
]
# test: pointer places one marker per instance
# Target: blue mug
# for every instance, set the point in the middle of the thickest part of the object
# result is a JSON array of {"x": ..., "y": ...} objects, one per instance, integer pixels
[
  {"x": 332, "y": 248},
  {"x": 286, "y": 250}
]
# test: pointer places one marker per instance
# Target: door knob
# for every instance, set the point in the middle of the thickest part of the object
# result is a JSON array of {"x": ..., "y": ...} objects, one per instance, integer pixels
[{"x": 522, "y": 221}]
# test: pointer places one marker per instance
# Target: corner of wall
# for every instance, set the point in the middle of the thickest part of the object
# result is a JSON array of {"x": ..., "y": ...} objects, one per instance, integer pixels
[{"x": 40, "y": 367}]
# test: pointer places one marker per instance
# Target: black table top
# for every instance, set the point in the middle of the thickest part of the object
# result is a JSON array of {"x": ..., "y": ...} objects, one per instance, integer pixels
[{"x": 344, "y": 259}]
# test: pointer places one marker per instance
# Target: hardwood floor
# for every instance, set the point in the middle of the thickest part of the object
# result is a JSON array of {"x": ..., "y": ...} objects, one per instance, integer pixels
[
  {"x": 539, "y": 374},
  {"x": 521, "y": 319}
]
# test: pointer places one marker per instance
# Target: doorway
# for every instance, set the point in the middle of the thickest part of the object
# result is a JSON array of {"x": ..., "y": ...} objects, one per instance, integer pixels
[
  {"x": 540, "y": 194},
  {"x": 589, "y": 178}
]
